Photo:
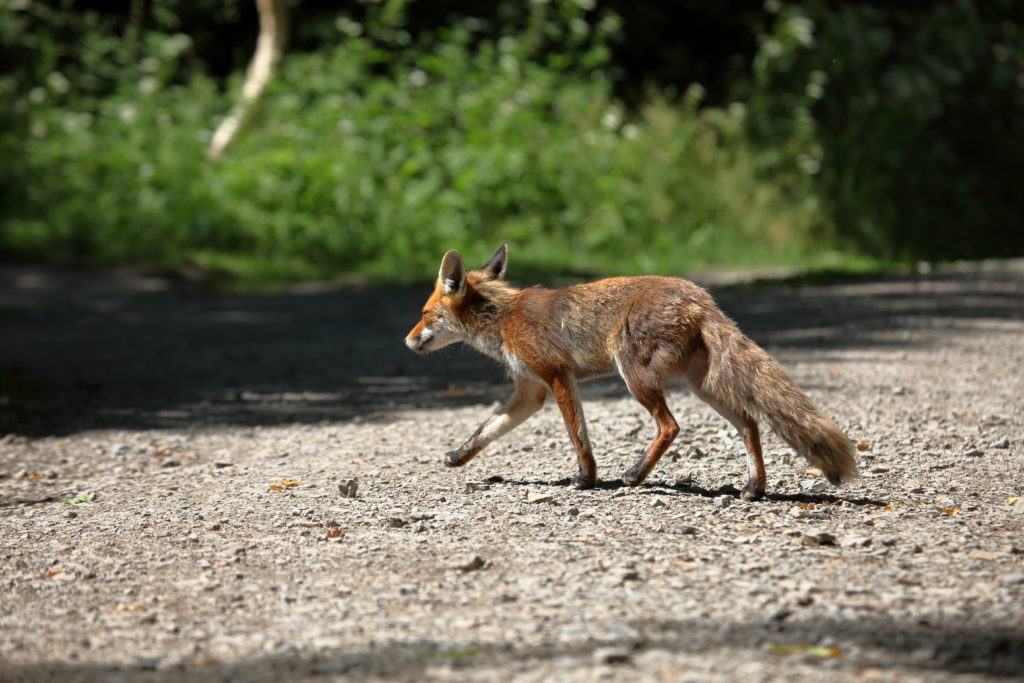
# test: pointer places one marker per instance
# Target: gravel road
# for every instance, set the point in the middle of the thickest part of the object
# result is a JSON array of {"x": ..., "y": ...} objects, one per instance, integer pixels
[{"x": 199, "y": 486}]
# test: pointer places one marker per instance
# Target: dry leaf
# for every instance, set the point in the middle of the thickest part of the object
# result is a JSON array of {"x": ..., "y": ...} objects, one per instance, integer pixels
[
  {"x": 810, "y": 650},
  {"x": 453, "y": 391},
  {"x": 128, "y": 607},
  {"x": 982, "y": 555},
  {"x": 806, "y": 506},
  {"x": 334, "y": 533},
  {"x": 863, "y": 446},
  {"x": 948, "y": 511},
  {"x": 284, "y": 485},
  {"x": 1012, "y": 500},
  {"x": 959, "y": 413},
  {"x": 162, "y": 452}
]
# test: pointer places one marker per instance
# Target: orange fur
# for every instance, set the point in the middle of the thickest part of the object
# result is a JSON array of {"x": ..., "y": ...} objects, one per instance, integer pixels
[{"x": 648, "y": 329}]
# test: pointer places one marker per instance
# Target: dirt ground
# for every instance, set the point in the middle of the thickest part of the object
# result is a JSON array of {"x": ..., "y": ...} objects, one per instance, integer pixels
[{"x": 198, "y": 486}]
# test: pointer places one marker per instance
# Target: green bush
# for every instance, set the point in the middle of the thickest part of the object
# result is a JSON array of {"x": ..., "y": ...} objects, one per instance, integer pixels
[{"x": 376, "y": 153}]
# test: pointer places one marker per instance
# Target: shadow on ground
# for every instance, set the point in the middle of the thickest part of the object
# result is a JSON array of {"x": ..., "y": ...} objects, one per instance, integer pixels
[
  {"x": 83, "y": 350},
  {"x": 868, "y": 643}
]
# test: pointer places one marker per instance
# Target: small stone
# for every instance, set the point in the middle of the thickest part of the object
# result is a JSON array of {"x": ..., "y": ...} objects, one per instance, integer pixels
[
  {"x": 899, "y": 391},
  {"x": 684, "y": 480},
  {"x": 396, "y": 522},
  {"x": 945, "y": 502},
  {"x": 471, "y": 564},
  {"x": 695, "y": 452},
  {"x": 1012, "y": 579},
  {"x": 818, "y": 537},
  {"x": 658, "y": 503},
  {"x": 688, "y": 530},
  {"x": 170, "y": 463},
  {"x": 723, "y": 501},
  {"x": 536, "y": 498},
  {"x": 974, "y": 453},
  {"x": 212, "y": 526},
  {"x": 222, "y": 464},
  {"x": 1001, "y": 444},
  {"x": 611, "y": 655},
  {"x": 855, "y": 541},
  {"x": 813, "y": 485},
  {"x": 472, "y": 486},
  {"x": 1018, "y": 507},
  {"x": 71, "y": 514},
  {"x": 348, "y": 488},
  {"x": 573, "y": 511}
]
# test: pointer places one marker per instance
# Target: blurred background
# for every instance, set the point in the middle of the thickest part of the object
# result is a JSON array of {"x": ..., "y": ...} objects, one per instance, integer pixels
[{"x": 594, "y": 136}]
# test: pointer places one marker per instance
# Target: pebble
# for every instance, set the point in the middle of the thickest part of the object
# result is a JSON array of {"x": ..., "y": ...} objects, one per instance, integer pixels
[
  {"x": 471, "y": 564},
  {"x": 723, "y": 501},
  {"x": 536, "y": 498},
  {"x": 974, "y": 453},
  {"x": 1012, "y": 579},
  {"x": 855, "y": 541},
  {"x": 349, "y": 488},
  {"x": 472, "y": 486},
  {"x": 818, "y": 537},
  {"x": 1001, "y": 444},
  {"x": 396, "y": 522},
  {"x": 612, "y": 655}
]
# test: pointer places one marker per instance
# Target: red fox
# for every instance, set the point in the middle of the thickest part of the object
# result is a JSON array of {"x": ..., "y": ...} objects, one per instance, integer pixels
[{"x": 647, "y": 329}]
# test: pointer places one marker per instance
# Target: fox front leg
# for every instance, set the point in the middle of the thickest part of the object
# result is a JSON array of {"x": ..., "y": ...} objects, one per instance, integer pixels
[{"x": 528, "y": 398}]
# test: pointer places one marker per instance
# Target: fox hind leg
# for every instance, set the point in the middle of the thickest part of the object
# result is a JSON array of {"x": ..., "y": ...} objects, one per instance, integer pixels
[
  {"x": 646, "y": 388},
  {"x": 747, "y": 427}
]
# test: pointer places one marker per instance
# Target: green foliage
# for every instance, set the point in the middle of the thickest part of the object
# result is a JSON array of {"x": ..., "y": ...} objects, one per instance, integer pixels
[
  {"x": 376, "y": 152},
  {"x": 909, "y": 118}
]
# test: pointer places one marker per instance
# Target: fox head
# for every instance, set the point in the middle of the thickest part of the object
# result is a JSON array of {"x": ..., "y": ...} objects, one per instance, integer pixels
[{"x": 442, "y": 322}]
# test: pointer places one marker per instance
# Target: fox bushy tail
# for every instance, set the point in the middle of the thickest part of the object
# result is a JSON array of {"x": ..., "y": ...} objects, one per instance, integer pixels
[{"x": 743, "y": 376}]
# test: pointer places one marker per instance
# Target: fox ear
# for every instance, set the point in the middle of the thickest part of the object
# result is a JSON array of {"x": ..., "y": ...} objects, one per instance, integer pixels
[
  {"x": 495, "y": 268},
  {"x": 452, "y": 273}
]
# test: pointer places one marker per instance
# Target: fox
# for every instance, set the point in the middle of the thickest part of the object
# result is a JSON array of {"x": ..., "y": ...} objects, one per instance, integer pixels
[{"x": 647, "y": 329}]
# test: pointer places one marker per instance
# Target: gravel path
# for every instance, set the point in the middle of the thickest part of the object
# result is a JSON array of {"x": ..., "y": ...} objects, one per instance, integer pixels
[{"x": 261, "y": 497}]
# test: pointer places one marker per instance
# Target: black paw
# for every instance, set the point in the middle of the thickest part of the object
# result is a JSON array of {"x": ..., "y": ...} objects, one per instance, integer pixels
[
  {"x": 634, "y": 476},
  {"x": 581, "y": 482},
  {"x": 750, "y": 493}
]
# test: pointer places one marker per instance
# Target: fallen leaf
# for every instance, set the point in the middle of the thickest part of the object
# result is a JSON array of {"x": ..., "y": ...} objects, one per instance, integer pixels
[
  {"x": 290, "y": 482},
  {"x": 1012, "y": 500},
  {"x": 162, "y": 452},
  {"x": 284, "y": 485},
  {"x": 334, "y": 533},
  {"x": 806, "y": 506},
  {"x": 948, "y": 511},
  {"x": 810, "y": 650},
  {"x": 453, "y": 391},
  {"x": 36, "y": 476},
  {"x": 863, "y": 445},
  {"x": 982, "y": 555},
  {"x": 81, "y": 498},
  {"x": 128, "y": 607},
  {"x": 959, "y": 413}
]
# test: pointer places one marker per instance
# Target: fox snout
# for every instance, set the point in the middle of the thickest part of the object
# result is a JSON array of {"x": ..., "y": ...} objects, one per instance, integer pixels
[{"x": 418, "y": 342}]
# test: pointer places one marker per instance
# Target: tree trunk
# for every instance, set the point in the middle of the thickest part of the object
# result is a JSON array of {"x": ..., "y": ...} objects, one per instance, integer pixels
[{"x": 269, "y": 48}]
